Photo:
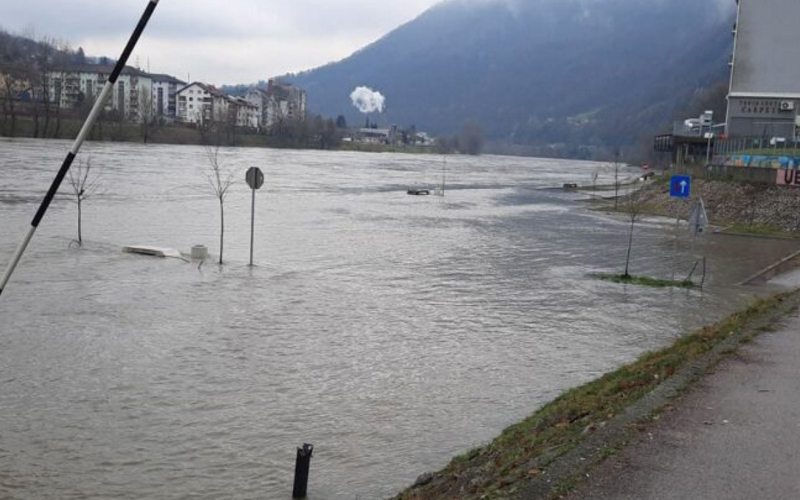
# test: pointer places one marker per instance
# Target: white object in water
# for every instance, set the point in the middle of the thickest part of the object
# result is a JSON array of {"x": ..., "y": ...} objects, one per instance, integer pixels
[
  {"x": 153, "y": 251},
  {"x": 199, "y": 252}
]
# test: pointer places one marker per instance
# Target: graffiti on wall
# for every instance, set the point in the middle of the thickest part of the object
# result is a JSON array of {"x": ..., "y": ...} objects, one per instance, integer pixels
[{"x": 758, "y": 161}]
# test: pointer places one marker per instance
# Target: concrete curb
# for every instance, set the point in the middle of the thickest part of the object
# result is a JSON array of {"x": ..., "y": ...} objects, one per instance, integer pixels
[{"x": 769, "y": 268}]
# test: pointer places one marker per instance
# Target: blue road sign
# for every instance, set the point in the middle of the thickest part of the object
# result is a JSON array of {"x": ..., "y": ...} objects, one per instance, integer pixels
[{"x": 680, "y": 186}]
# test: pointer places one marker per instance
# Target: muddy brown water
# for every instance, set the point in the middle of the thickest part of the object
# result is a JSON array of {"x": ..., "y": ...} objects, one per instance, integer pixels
[{"x": 390, "y": 331}]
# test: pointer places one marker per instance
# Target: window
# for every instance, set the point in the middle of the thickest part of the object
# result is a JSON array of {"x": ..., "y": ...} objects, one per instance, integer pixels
[
  {"x": 160, "y": 105},
  {"x": 121, "y": 98}
]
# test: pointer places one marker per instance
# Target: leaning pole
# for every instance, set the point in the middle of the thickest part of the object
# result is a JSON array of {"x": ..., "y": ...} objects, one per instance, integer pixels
[{"x": 76, "y": 146}]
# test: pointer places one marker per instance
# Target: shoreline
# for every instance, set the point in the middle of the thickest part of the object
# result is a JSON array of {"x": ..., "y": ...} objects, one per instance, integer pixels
[{"x": 546, "y": 454}]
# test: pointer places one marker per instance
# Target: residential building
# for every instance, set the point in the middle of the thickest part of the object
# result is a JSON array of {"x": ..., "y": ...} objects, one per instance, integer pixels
[
  {"x": 164, "y": 96},
  {"x": 279, "y": 103},
  {"x": 290, "y": 101},
  {"x": 764, "y": 96},
  {"x": 74, "y": 86},
  {"x": 133, "y": 92},
  {"x": 201, "y": 104},
  {"x": 248, "y": 115},
  {"x": 260, "y": 99}
]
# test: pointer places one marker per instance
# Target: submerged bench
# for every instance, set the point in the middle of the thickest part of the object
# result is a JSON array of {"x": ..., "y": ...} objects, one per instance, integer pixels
[{"x": 153, "y": 251}]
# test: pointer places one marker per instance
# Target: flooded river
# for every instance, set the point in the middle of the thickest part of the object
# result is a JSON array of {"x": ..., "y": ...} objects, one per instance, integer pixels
[{"x": 390, "y": 331}]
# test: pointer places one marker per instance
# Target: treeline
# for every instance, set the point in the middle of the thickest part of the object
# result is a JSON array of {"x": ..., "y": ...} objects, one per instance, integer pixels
[{"x": 26, "y": 67}]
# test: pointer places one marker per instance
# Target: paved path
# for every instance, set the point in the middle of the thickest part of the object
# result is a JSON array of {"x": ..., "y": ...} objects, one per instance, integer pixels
[{"x": 735, "y": 436}]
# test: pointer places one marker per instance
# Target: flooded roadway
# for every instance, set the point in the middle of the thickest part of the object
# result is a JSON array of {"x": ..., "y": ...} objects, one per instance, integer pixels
[{"x": 390, "y": 331}]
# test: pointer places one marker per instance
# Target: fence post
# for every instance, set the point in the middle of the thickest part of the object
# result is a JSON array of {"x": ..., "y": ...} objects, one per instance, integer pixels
[{"x": 301, "y": 467}]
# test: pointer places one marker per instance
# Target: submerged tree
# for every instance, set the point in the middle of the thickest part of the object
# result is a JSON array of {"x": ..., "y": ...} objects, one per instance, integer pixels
[
  {"x": 220, "y": 182},
  {"x": 84, "y": 184},
  {"x": 633, "y": 207},
  {"x": 149, "y": 119}
]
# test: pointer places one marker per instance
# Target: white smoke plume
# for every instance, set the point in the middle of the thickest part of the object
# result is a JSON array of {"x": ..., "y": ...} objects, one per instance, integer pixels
[{"x": 367, "y": 100}]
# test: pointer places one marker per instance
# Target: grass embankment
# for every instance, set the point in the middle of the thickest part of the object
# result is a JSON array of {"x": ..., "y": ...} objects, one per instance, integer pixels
[
  {"x": 764, "y": 230},
  {"x": 740, "y": 207},
  {"x": 643, "y": 281},
  {"x": 525, "y": 451}
]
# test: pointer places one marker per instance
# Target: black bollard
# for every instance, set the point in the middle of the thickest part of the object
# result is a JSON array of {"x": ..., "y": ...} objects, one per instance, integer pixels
[{"x": 301, "y": 470}]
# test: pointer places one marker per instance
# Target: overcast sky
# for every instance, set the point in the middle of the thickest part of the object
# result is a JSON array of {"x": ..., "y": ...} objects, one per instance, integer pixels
[{"x": 228, "y": 41}]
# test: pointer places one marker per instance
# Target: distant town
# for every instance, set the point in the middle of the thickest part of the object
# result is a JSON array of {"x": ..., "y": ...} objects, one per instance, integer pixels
[{"x": 144, "y": 106}]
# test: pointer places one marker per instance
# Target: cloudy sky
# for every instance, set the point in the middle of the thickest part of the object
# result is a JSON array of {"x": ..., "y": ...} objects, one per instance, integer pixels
[{"x": 228, "y": 41}]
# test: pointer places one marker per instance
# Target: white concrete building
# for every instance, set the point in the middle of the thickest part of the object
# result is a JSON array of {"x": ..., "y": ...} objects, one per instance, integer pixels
[
  {"x": 164, "y": 97},
  {"x": 247, "y": 114},
  {"x": 134, "y": 90},
  {"x": 764, "y": 97},
  {"x": 279, "y": 103},
  {"x": 201, "y": 104}
]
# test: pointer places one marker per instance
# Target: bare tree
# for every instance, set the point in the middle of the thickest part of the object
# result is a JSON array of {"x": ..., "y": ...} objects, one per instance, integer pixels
[
  {"x": 149, "y": 119},
  {"x": 13, "y": 80},
  {"x": 45, "y": 60},
  {"x": 633, "y": 207},
  {"x": 84, "y": 184},
  {"x": 220, "y": 182}
]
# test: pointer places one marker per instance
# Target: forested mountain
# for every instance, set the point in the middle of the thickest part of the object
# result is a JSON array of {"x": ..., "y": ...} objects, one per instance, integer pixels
[{"x": 578, "y": 77}]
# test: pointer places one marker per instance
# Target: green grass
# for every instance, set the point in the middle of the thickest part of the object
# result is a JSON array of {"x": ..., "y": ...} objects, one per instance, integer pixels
[
  {"x": 524, "y": 450},
  {"x": 761, "y": 230},
  {"x": 643, "y": 281}
]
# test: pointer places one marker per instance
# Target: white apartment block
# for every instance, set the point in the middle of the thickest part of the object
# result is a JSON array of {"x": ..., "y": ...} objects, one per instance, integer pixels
[
  {"x": 201, "y": 104},
  {"x": 247, "y": 114},
  {"x": 74, "y": 87},
  {"x": 279, "y": 102},
  {"x": 164, "y": 96}
]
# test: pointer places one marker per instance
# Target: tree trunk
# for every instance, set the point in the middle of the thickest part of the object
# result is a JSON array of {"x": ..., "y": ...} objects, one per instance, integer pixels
[
  {"x": 630, "y": 245},
  {"x": 57, "y": 132},
  {"x": 35, "y": 122},
  {"x": 221, "y": 229},
  {"x": 80, "y": 236}
]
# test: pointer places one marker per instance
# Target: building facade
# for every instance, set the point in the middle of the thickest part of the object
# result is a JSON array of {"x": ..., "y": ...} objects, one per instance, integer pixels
[
  {"x": 279, "y": 103},
  {"x": 764, "y": 97},
  {"x": 164, "y": 97},
  {"x": 201, "y": 104},
  {"x": 137, "y": 96}
]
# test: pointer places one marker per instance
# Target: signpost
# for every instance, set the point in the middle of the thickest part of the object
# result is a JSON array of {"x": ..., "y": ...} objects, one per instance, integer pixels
[
  {"x": 680, "y": 186},
  {"x": 709, "y": 136},
  {"x": 698, "y": 220},
  {"x": 255, "y": 179}
]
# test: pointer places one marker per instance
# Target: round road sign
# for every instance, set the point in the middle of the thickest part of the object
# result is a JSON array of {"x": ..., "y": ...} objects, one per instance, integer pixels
[{"x": 254, "y": 177}]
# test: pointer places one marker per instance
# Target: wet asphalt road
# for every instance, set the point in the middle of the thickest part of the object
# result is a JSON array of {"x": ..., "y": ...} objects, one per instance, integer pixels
[{"x": 735, "y": 436}]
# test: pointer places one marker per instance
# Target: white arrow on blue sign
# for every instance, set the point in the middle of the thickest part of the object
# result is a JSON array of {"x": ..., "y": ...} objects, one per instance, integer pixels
[{"x": 680, "y": 186}]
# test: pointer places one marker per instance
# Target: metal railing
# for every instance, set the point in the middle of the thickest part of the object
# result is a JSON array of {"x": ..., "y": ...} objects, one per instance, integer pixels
[{"x": 756, "y": 152}]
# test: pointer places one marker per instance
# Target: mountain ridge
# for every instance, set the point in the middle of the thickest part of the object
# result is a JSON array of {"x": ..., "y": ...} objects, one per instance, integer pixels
[{"x": 585, "y": 73}]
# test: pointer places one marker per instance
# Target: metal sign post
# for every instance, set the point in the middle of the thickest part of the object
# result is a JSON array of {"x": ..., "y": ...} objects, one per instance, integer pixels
[
  {"x": 255, "y": 179},
  {"x": 680, "y": 186}
]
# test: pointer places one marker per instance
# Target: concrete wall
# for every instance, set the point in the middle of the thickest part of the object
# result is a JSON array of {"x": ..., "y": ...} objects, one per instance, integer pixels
[
  {"x": 716, "y": 172},
  {"x": 766, "y": 45},
  {"x": 765, "y": 80}
]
